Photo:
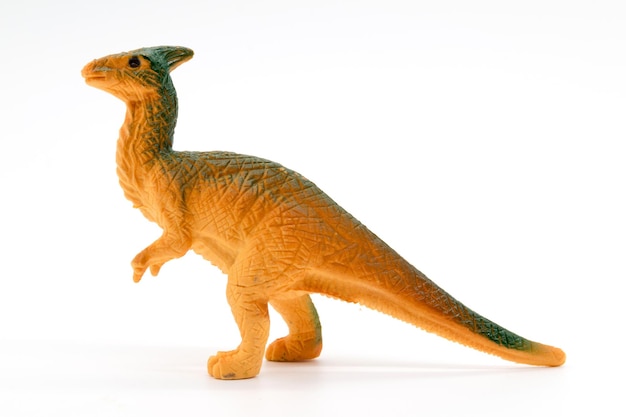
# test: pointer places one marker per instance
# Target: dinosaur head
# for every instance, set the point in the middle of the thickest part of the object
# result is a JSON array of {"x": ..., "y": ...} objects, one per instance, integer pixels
[{"x": 136, "y": 75}]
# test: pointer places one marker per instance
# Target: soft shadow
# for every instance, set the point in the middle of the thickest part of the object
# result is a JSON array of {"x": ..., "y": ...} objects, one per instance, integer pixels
[{"x": 393, "y": 368}]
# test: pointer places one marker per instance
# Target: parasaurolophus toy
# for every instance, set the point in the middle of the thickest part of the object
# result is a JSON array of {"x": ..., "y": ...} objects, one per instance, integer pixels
[{"x": 273, "y": 232}]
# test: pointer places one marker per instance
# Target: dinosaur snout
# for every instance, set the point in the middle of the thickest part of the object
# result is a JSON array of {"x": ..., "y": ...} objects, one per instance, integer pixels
[
  {"x": 93, "y": 73},
  {"x": 88, "y": 69}
]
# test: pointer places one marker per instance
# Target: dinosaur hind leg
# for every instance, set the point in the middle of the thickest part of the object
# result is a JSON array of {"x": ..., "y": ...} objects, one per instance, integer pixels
[
  {"x": 305, "y": 332},
  {"x": 251, "y": 314}
]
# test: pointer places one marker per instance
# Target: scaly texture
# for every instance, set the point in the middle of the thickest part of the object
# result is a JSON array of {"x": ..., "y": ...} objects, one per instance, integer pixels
[{"x": 273, "y": 232}]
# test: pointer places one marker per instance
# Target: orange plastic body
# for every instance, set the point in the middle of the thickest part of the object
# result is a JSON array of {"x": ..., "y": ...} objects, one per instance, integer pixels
[{"x": 273, "y": 232}]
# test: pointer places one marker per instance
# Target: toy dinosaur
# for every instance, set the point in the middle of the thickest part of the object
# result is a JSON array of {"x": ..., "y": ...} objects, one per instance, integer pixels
[{"x": 273, "y": 232}]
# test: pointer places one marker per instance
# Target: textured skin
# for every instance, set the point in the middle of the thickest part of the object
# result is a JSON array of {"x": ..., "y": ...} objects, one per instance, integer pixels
[{"x": 273, "y": 232}]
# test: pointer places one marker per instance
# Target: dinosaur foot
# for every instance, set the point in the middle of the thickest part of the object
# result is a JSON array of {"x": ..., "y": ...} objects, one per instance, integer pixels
[
  {"x": 294, "y": 348},
  {"x": 234, "y": 365}
]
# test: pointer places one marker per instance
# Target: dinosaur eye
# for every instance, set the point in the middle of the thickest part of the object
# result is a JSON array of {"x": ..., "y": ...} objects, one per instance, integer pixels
[{"x": 134, "y": 62}]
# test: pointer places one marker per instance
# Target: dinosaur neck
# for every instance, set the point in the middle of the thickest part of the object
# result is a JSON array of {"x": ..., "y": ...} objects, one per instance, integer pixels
[
  {"x": 146, "y": 135},
  {"x": 148, "y": 129}
]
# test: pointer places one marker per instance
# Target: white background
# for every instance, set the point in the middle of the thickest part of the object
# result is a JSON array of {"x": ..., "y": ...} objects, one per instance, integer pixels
[{"x": 482, "y": 140}]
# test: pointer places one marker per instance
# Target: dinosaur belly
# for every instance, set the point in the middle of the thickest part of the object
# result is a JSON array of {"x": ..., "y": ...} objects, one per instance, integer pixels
[{"x": 217, "y": 252}]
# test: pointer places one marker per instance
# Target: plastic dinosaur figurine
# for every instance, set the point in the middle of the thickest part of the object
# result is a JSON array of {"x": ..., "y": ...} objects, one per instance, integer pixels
[{"x": 273, "y": 232}]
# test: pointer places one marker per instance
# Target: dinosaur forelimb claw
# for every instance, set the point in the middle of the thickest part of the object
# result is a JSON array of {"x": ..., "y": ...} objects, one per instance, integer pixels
[
  {"x": 140, "y": 271},
  {"x": 154, "y": 269},
  {"x": 137, "y": 275}
]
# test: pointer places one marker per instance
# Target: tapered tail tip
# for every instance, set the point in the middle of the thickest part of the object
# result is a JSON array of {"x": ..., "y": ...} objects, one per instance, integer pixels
[
  {"x": 550, "y": 356},
  {"x": 559, "y": 356}
]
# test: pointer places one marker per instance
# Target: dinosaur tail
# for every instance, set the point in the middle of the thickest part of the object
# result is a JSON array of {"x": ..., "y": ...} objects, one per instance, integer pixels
[
  {"x": 357, "y": 266},
  {"x": 444, "y": 315},
  {"x": 405, "y": 293}
]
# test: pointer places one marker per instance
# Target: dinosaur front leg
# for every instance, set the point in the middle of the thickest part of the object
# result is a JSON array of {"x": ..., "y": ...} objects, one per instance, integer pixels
[
  {"x": 169, "y": 246},
  {"x": 251, "y": 315},
  {"x": 305, "y": 332}
]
